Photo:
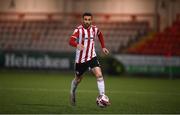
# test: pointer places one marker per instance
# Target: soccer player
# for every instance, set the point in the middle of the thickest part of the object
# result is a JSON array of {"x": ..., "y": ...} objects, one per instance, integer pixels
[{"x": 83, "y": 40}]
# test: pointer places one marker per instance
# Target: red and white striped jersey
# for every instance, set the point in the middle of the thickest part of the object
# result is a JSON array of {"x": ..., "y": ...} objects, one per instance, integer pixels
[{"x": 86, "y": 37}]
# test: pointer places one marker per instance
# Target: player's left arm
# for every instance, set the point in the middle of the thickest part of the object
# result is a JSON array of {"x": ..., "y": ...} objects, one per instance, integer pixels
[{"x": 101, "y": 39}]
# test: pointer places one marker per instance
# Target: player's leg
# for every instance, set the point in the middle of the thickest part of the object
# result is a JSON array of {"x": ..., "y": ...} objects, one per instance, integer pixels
[
  {"x": 96, "y": 70},
  {"x": 74, "y": 84},
  {"x": 100, "y": 80},
  {"x": 79, "y": 70}
]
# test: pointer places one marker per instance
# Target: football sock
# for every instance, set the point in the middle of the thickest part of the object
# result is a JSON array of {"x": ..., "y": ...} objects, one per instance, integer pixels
[
  {"x": 73, "y": 86},
  {"x": 100, "y": 84}
]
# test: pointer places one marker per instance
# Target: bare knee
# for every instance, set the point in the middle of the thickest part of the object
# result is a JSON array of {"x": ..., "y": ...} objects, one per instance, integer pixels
[
  {"x": 98, "y": 74},
  {"x": 78, "y": 79}
]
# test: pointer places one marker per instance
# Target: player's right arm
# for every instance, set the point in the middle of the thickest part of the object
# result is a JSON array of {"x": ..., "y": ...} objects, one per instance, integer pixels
[{"x": 73, "y": 40}]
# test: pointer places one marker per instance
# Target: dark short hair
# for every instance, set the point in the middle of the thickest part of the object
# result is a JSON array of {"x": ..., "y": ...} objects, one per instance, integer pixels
[{"x": 86, "y": 14}]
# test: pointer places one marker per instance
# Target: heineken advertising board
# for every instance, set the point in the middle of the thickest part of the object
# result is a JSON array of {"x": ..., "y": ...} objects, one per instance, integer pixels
[{"x": 36, "y": 60}]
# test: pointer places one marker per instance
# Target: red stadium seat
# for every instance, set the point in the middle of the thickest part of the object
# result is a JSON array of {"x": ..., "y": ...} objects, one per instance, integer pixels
[{"x": 163, "y": 43}]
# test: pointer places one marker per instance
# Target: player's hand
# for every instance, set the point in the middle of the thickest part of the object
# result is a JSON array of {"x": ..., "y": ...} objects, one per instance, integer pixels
[
  {"x": 80, "y": 47},
  {"x": 105, "y": 51}
]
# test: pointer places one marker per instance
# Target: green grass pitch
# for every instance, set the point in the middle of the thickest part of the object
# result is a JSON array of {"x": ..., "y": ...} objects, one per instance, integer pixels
[{"x": 48, "y": 93}]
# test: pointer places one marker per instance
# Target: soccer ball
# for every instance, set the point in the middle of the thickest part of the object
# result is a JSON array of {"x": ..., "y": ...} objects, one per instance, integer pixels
[{"x": 102, "y": 101}]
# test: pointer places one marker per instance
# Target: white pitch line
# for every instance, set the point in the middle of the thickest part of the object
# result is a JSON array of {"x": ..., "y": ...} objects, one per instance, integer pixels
[{"x": 89, "y": 91}]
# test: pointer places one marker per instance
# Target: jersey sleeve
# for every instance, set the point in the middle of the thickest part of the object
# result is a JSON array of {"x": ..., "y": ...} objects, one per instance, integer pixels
[
  {"x": 101, "y": 38},
  {"x": 74, "y": 36}
]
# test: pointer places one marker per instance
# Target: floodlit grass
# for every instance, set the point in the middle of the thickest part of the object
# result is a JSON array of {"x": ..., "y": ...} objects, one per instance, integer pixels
[{"x": 42, "y": 92}]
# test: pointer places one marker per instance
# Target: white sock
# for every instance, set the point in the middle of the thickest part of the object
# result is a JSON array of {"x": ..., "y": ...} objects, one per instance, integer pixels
[
  {"x": 101, "y": 86},
  {"x": 73, "y": 86}
]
